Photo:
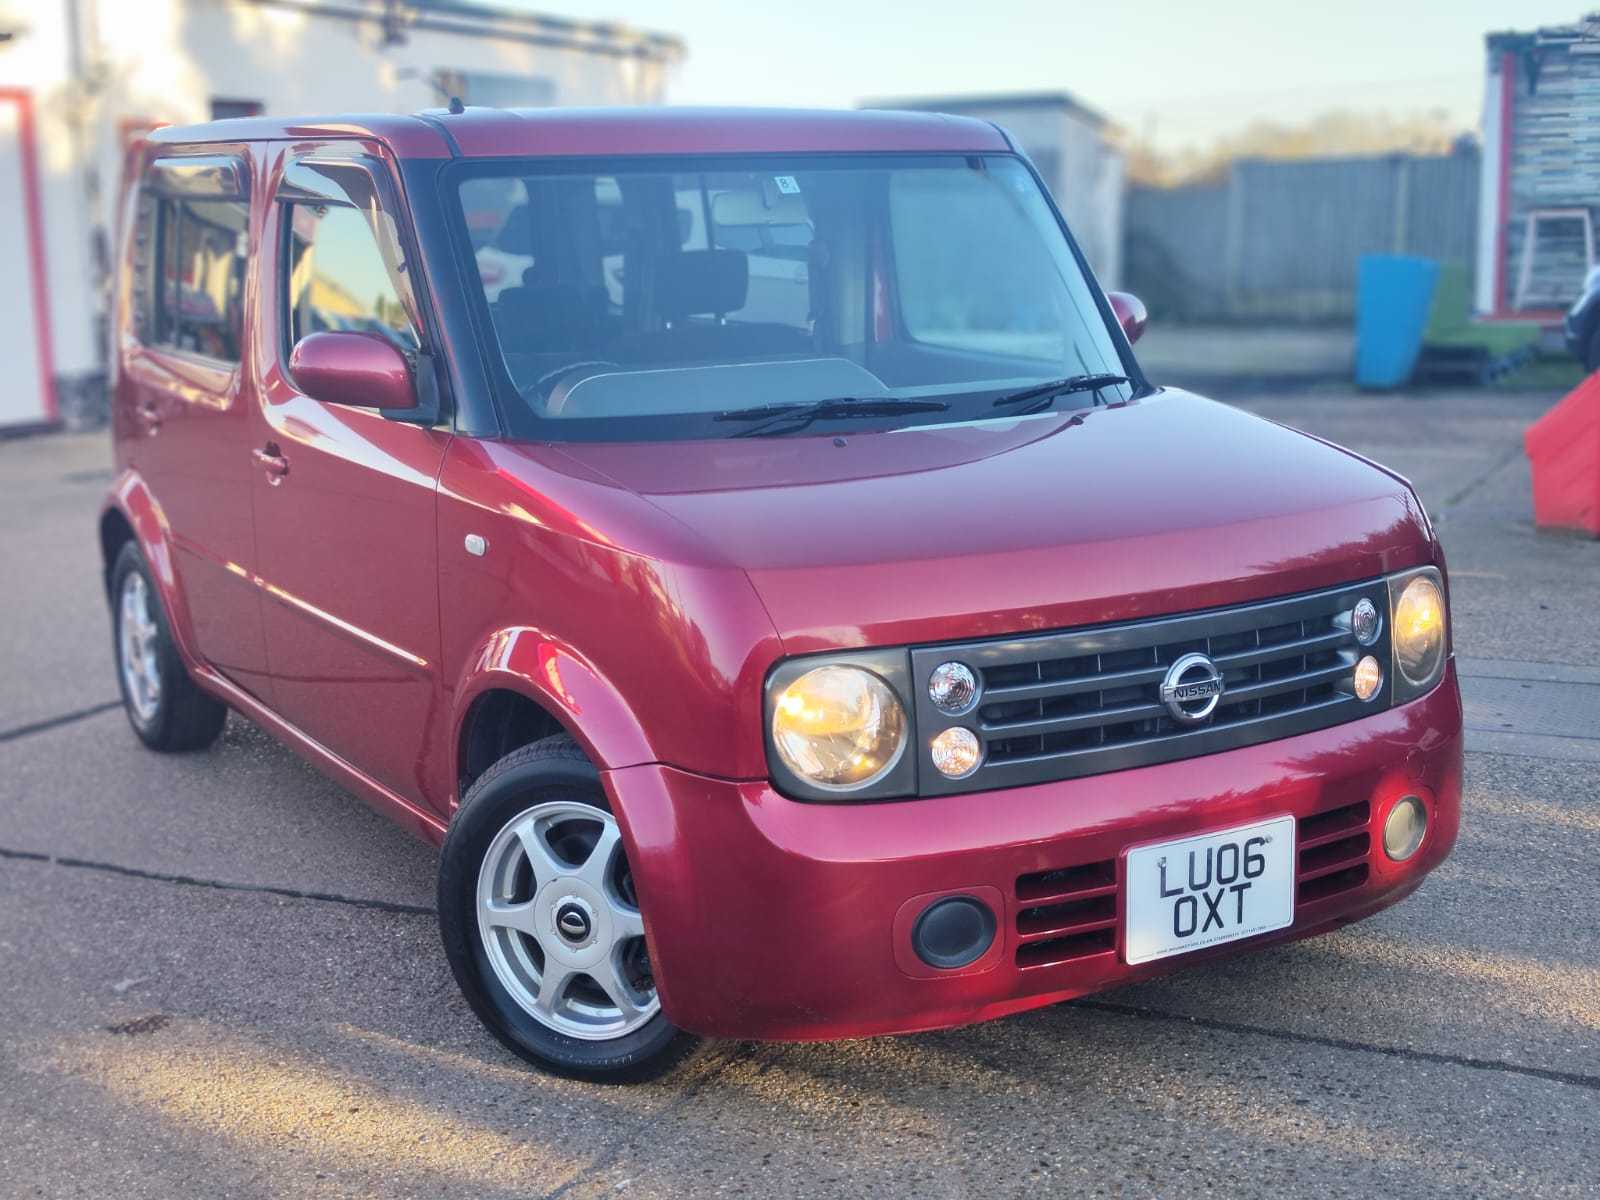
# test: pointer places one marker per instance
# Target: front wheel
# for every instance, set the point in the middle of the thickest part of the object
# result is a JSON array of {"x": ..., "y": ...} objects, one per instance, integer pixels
[{"x": 542, "y": 923}]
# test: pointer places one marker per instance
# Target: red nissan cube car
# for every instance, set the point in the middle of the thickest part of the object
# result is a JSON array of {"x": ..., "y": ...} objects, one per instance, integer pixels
[{"x": 747, "y": 544}]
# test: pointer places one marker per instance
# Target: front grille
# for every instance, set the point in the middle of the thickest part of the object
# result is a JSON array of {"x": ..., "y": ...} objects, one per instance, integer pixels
[{"x": 1064, "y": 705}]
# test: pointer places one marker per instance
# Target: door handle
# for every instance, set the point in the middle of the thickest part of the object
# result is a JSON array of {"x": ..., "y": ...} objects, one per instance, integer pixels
[
  {"x": 274, "y": 463},
  {"x": 150, "y": 415}
]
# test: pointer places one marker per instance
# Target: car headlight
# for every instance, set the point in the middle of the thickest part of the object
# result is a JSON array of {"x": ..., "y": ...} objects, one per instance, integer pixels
[
  {"x": 838, "y": 727},
  {"x": 1418, "y": 625}
]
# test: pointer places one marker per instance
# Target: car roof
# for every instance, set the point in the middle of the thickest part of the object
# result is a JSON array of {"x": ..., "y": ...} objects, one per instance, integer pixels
[{"x": 524, "y": 132}]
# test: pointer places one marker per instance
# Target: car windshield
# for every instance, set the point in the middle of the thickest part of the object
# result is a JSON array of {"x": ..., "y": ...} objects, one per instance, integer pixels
[{"x": 642, "y": 299}]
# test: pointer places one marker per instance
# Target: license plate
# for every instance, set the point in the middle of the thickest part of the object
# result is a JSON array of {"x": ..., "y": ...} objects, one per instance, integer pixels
[{"x": 1207, "y": 890}]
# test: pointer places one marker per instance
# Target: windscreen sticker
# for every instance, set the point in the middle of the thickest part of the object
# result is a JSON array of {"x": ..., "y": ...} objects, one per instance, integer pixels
[{"x": 787, "y": 184}]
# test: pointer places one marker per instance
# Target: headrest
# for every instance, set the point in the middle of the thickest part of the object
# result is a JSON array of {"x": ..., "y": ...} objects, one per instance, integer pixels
[
  {"x": 693, "y": 282},
  {"x": 548, "y": 294},
  {"x": 516, "y": 235}
]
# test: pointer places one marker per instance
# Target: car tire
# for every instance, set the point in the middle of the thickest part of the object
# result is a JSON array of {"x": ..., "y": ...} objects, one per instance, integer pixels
[
  {"x": 545, "y": 800},
  {"x": 164, "y": 705}
]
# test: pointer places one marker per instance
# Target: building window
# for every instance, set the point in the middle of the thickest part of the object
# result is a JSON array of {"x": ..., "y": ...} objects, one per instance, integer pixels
[
  {"x": 225, "y": 109},
  {"x": 501, "y": 91}
]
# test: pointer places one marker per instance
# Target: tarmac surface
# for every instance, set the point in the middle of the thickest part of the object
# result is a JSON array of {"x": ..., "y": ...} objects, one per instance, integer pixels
[{"x": 220, "y": 974}]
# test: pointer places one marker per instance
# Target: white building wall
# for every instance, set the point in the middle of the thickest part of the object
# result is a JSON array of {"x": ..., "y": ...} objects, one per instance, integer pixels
[
  {"x": 39, "y": 61},
  {"x": 101, "y": 70},
  {"x": 25, "y": 395},
  {"x": 169, "y": 58}
]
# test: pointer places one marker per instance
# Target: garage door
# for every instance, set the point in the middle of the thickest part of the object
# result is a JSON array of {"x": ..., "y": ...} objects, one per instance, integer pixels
[{"x": 27, "y": 396}]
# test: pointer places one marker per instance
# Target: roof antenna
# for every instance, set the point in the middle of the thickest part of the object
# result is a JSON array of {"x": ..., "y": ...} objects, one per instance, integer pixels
[{"x": 456, "y": 107}]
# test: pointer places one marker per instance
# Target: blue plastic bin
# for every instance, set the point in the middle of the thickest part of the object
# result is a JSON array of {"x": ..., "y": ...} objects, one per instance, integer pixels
[{"x": 1393, "y": 295}]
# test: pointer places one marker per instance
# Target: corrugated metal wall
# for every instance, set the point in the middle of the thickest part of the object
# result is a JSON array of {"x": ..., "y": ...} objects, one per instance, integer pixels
[{"x": 1281, "y": 239}]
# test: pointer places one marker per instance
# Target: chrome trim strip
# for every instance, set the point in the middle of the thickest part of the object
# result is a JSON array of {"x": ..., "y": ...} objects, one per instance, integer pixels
[{"x": 345, "y": 627}]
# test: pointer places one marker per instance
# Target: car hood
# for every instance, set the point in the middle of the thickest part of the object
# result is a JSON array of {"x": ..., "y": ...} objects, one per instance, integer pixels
[{"x": 1166, "y": 504}]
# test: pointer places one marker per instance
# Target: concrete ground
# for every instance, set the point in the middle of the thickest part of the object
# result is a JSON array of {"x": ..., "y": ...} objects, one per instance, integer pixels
[{"x": 220, "y": 975}]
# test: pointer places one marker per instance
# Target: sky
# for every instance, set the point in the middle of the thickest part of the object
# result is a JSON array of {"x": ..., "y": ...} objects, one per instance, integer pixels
[{"x": 1179, "y": 74}]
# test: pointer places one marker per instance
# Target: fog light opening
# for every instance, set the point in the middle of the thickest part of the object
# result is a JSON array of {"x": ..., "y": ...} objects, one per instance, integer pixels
[
  {"x": 954, "y": 932},
  {"x": 1368, "y": 678},
  {"x": 1404, "y": 828}
]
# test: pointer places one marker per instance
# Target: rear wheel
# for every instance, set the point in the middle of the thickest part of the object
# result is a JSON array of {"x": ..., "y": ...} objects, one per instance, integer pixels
[
  {"x": 542, "y": 923},
  {"x": 166, "y": 708}
]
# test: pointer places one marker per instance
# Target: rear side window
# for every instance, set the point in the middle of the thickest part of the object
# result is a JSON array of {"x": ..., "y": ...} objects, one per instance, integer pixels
[
  {"x": 191, "y": 252},
  {"x": 200, "y": 290}
]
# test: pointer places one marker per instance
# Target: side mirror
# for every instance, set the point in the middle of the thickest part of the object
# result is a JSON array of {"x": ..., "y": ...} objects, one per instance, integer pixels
[
  {"x": 353, "y": 368},
  {"x": 1131, "y": 313}
]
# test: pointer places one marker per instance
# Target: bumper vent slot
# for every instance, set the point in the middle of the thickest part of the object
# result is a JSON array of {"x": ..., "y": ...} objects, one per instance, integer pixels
[
  {"x": 1064, "y": 705},
  {"x": 1067, "y": 881},
  {"x": 1066, "y": 914},
  {"x": 1334, "y": 849},
  {"x": 1065, "y": 949}
]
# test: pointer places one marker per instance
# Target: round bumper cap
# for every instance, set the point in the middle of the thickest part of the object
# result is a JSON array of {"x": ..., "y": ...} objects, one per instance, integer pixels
[{"x": 954, "y": 932}]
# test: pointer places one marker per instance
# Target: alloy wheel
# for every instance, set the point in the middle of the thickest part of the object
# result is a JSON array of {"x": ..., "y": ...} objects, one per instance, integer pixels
[
  {"x": 138, "y": 642},
  {"x": 560, "y": 922}
]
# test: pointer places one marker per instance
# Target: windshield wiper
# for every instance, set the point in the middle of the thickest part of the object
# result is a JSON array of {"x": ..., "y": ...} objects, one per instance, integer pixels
[
  {"x": 790, "y": 418},
  {"x": 1044, "y": 395}
]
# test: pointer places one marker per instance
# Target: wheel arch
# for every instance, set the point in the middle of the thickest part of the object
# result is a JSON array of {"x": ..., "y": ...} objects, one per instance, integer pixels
[
  {"x": 130, "y": 512},
  {"x": 498, "y": 721},
  {"x": 523, "y": 685},
  {"x": 116, "y": 531}
]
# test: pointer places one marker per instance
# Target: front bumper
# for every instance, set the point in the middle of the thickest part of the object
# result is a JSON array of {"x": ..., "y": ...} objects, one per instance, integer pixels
[{"x": 774, "y": 919}]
